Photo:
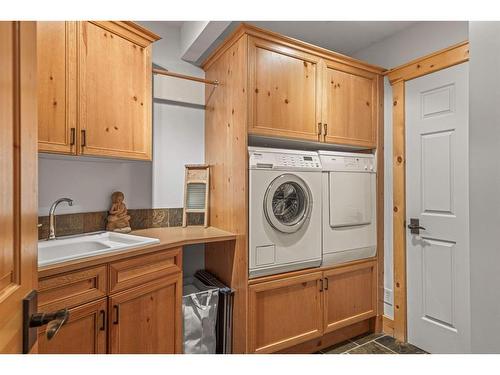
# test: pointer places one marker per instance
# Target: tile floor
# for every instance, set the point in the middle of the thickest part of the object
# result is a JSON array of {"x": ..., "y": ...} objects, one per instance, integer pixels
[{"x": 372, "y": 343}]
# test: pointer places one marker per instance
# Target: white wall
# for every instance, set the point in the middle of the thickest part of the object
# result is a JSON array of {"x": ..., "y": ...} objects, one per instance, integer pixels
[
  {"x": 409, "y": 44},
  {"x": 415, "y": 41},
  {"x": 179, "y": 118},
  {"x": 484, "y": 186},
  {"x": 90, "y": 182}
]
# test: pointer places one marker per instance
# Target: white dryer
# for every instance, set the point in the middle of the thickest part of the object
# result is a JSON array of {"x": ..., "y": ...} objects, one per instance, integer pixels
[
  {"x": 349, "y": 206},
  {"x": 284, "y": 210}
]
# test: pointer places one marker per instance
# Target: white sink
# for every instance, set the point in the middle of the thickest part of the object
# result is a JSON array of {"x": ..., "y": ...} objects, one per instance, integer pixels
[{"x": 64, "y": 249}]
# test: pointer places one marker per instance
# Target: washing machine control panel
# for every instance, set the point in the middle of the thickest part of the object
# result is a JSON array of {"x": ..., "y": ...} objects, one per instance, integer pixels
[{"x": 284, "y": 160}]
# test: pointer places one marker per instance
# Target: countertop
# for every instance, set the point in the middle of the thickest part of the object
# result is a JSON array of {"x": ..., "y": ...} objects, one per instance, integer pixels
[{"x": 169, "y": 238}]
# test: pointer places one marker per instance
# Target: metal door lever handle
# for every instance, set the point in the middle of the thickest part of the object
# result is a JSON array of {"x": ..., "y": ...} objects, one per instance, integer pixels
[
  {"x": 54, "y": 320},
  {"x": 414, "y": 226}
]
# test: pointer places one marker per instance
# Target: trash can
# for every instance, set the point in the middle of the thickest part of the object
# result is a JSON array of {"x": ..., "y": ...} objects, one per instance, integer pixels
[
  {"x": 199, "y": 309},
  {"x": 224, "y": 324}
]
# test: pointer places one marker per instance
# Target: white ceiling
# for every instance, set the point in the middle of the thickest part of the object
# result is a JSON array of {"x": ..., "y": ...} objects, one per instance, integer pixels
[{"x": 347, "y": 37}]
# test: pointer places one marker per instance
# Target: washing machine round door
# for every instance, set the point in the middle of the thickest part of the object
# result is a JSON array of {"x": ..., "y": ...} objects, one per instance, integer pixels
[{"x": 287, "y": 203}]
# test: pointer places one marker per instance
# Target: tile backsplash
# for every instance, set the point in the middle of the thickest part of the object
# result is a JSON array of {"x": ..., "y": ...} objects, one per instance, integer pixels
[{"x": 85, "y": 222}]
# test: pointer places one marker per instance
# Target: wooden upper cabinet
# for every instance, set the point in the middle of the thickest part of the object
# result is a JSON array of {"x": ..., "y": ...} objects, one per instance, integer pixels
[
  {"x": 350, "y": 295},
  {"x": 284, "y": 91},
  {"x": 147, "y": 319},
  {"x": 56, "y": 64},
  {"x": 83, "y": 333},
  {"x": 114, "y": 89},
  {"x": 349, "y": 105},
  {"x": 284, "y": 312}
]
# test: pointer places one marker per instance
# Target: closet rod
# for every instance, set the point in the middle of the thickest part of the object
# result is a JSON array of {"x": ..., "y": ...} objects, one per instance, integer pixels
[{"x": 183, "y": 76}]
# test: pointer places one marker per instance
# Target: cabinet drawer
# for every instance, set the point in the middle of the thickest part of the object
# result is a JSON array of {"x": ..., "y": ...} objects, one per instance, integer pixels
[
  {"x": 72, "y": 288},
  {"x": 136, "y": 271}
]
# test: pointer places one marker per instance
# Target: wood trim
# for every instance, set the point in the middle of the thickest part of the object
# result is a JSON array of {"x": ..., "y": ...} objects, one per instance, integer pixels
[
  {"x": 131, "y": 31},
  {"x": 306, "y": 271},
  {"x": 442, "y": 59},
  {"x": 399, "y": 210},
  {"x": 289, "y": 42},
  {"x": 380, "y": 200},
  {"x": 387, "y": 325},
  {"x": 329, "y": 339}
]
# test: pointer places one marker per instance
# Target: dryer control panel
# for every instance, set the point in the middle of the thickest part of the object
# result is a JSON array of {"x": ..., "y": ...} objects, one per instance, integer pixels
[
  {"x": 337, "y": 161},
  {"x": 277, "y": 159}
]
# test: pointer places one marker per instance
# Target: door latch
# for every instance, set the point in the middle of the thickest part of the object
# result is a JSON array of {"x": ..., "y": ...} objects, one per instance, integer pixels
[{"x": 414, "y": 226}]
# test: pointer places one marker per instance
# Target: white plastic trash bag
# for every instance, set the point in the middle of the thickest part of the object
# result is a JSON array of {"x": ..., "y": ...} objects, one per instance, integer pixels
[{"x": 199, "y": 308}]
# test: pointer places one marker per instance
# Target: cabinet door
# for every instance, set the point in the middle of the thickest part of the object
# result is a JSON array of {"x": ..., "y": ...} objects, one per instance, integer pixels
[
  {"x": 350, "y": 295},
  {"x": 285, "y": 312},
  {"x": 56, "y": 59},
  {"x": 147, "y": 319},
  {"x": 349, "y": 105},
  {"x": 114, "y": 85},
  {"x": 284, "y": 97},
  {"x": 83, "y": 333}
]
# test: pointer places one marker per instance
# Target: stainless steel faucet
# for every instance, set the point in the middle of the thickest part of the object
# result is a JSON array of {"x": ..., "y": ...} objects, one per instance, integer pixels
[{"x": 52, "y": 216}]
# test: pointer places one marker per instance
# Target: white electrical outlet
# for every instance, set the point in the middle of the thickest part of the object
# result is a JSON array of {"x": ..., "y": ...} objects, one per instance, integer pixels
[{"x": 388, "y": 296}]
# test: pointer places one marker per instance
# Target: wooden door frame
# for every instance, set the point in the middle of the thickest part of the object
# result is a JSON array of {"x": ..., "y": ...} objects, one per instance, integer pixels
[{"x": 439, "y": 60}]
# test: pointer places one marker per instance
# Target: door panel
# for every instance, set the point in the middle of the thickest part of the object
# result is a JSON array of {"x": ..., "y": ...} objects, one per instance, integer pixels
[
  {"x": 114, "y": 94},
  {"x": 284, "y": 91},
  {"x": 349, "y": 105},
  {"x": 18, "y": 182},
  {"x": 350, "y": 295},
  {"x": 284, "y": 313},
  {"x": 86, "y": 323},
  {"x": 56, "y": 50},
  {"x": 147, "y": 319},
  {"x": 437, "y": 195}
]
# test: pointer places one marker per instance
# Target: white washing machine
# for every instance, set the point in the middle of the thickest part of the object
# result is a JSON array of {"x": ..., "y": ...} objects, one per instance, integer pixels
[
  {"x": 349, "y": 206},
  {"x": 284, "y": 210}
]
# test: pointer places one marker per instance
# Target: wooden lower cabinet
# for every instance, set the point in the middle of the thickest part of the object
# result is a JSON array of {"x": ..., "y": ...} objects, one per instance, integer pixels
[
  {"x": 147, "y": 319},
  {"x": 350, "y": 295},
  {"x": 292, "y": 310},
  {"x": 129, "y": 306},
  {"x": 83, "y": 333},
  {"x": 284, "y": 312}
]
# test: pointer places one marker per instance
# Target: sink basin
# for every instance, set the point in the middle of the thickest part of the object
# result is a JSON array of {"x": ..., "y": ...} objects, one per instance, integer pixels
[{"x": 77, "y": 247}]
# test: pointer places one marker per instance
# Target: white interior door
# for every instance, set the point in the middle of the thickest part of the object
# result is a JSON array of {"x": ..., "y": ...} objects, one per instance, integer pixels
[{"x": 437, "y": 194}]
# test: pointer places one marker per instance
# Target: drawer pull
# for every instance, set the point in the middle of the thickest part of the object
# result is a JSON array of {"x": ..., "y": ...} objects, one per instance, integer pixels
[
  {"x": 73, "y": 137},
  {"x": 84, "y": 138},
  {"x": 103, "y": 320},
  {"x": 325, "y": 130},
  {"x": 326, "y": 283},
  {"x": 319, "y": 128},
  {"x": 117, "y": 314},
  {"x": 320, "y": 285}
]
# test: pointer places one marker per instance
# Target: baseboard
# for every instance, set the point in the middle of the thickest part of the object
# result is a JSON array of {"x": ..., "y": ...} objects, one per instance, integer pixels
[
  {"x": 387, "y": 325},
  {"x": 332, "y": 338}
]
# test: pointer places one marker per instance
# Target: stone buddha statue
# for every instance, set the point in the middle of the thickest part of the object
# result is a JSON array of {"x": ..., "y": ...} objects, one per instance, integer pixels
[{"x": 118, "y": 219}]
